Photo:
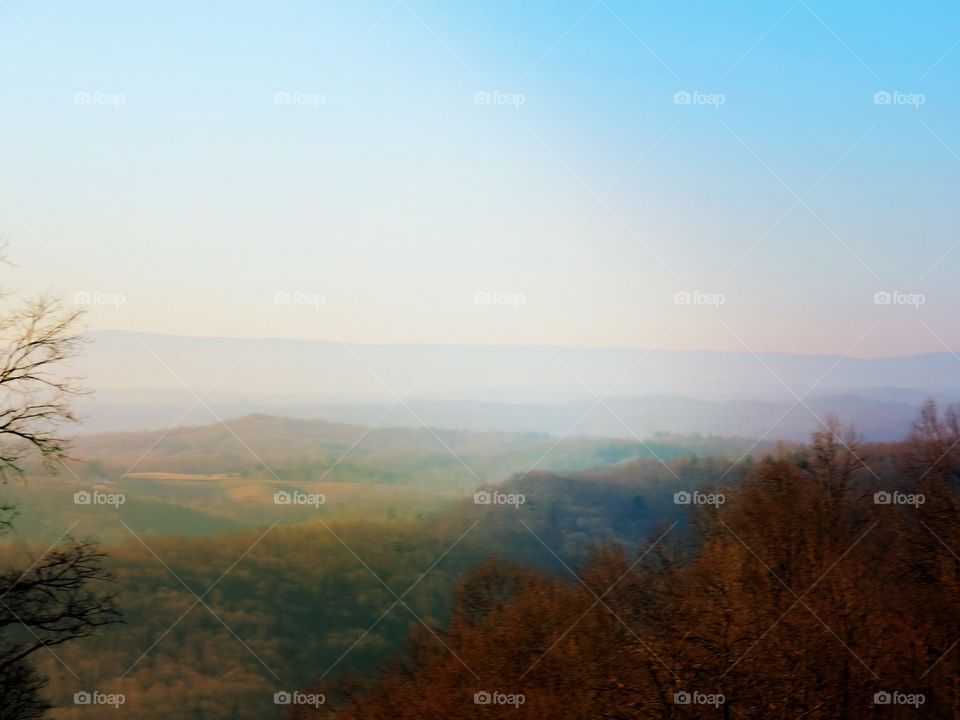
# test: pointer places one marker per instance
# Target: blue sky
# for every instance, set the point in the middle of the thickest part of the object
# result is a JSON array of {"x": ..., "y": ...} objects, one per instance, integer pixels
[{"x": 150, "y": 154}]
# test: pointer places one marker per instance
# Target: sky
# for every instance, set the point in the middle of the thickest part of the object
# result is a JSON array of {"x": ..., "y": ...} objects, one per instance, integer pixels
[{"x": 766, "y": 176}]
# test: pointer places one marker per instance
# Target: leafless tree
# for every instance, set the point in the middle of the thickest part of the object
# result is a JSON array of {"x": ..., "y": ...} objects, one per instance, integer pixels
[
  {"x": 39, "y": 338},
  {"x": 51, "y": 602}
]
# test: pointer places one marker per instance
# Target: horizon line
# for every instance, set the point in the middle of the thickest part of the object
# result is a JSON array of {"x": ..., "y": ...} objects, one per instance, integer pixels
[{"x": 126, "y": 331}]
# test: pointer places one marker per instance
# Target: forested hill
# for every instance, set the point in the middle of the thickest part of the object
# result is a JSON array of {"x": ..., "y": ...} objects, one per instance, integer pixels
[
  {"x": 257, "y": 444},
  {"x": 823, "y": 585},
  {"x": 306, "y": 599}
]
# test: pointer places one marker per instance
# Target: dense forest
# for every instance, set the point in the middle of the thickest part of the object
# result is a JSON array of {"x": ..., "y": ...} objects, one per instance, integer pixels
[
  {"x": 821, "y": 585},
  {"x": 304, "y": 598},
  {"x": 826, "y": 585}
]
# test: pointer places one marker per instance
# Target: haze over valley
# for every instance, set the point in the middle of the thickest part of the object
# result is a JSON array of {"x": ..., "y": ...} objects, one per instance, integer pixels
[
  {"x": 415, "y": 360},
  {"x": 146, "y": 380}
]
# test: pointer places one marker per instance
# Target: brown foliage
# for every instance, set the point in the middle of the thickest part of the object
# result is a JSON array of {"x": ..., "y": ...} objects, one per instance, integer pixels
[{"x": 801, "y": 597}]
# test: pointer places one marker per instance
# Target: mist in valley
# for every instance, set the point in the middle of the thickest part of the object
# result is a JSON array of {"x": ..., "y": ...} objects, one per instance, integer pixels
[{"x": 407, "y": 359}]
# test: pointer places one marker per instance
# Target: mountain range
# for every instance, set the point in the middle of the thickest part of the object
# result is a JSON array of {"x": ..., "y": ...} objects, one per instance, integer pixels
[{"x": 144, "y": 380}]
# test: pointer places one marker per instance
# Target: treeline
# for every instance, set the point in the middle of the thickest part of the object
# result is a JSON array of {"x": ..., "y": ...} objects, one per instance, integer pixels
[{"x": 820, "y": 588}]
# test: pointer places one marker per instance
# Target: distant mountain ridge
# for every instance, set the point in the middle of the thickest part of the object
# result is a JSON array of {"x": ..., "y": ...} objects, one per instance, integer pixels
[
  {"x": 623, "y": 418},
  {"x": 149, "y": 380}
]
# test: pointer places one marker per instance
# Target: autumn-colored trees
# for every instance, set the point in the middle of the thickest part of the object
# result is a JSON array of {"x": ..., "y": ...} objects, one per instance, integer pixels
[{"x": 821, "y": 588}]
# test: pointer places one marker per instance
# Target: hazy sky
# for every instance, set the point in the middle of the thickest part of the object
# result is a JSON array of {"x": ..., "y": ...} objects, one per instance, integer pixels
[{"x": 582, "y": 162}]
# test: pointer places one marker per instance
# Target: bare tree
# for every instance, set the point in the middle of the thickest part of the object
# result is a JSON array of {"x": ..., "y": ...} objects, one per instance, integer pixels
[
  {"x": 39, "y": 339},
  {"x": 51, "y": 602}
]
